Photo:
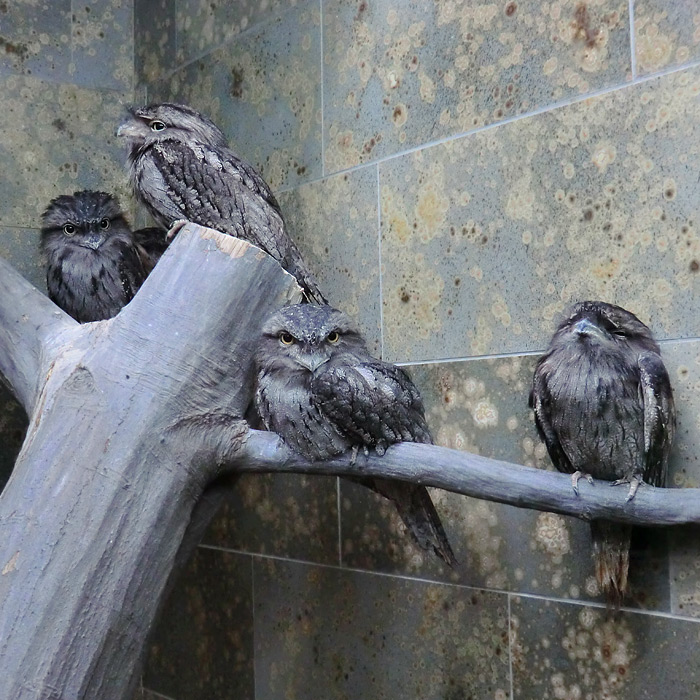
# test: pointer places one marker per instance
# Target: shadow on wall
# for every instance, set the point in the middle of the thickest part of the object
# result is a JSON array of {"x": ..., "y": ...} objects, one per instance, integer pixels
[{"x": 13, "y": 428}]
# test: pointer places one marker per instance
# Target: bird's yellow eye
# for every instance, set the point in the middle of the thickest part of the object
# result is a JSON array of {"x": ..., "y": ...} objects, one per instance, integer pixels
[
  {"x": 157, "y": 125},
  {"x": 333, "y": 337},
  {"x": 104, "y": 224},
  {"x": 286, "y": 338},
  {"x": 68, "y": 229}
]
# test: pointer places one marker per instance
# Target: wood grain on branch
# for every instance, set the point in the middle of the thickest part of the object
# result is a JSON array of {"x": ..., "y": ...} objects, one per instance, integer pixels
[
  {"x": 135, "y": 424},
  {"x": 481, "y": 477}
]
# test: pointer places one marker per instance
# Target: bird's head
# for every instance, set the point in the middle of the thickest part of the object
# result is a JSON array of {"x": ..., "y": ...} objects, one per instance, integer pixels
[
  {"x": 303, "y": 337},
  {"x": 168, "y": 121},
  {"x": 597, "y": 324},
  {"x": 84, "y": 219}
]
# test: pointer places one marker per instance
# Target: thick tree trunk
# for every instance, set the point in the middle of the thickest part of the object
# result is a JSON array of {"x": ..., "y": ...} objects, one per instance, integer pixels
[
  {"x": 126, "y": 418},
  {"x": 132, "y": 421}
]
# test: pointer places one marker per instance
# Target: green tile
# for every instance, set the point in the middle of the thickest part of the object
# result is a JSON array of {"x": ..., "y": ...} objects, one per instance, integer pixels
[
  {"x": 399, "y": 75},
  {"x": 284, "y": 515},
  {"x": 335, "y": 223},
  {"x": 103, "y": 44},
  {"x": 202, "y": 645},
  {"x": 67, "y": 142},
  {"x": 35, "y": 38},
  {"x": 667, "y": 33},
  {"x": 326, "y": 633},
  {"x": 154, "y": 39},
  {"x": 203, "y": 25},
  {"x": 20, "y": 247},
  {"x": 486, "y": 239},
  {"x": 573, "y": 651},
  {"x": 481, "y": 406},
  {"x": 264, "y": 91}
]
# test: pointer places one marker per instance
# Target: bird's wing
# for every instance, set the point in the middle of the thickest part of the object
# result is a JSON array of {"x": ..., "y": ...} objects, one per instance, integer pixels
[
  {"x": 213, "y": 187},
  {"x": 151, "y": 242},
  {"x": 131, "y": 271},
  {"x": 659, "y": 417},
  {"x": 373, "y": 403},
  {"x": 541, "y": 402}
]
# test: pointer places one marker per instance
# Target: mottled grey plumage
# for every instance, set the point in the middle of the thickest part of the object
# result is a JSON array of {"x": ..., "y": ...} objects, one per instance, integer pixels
[
  {"x": 153, "y": 241},
  {"x": 93, "y": 264},
  {"x": 323, "y": 393},
  {"x": 604, "y": 407},
  {"x": 181, "y": 168}
]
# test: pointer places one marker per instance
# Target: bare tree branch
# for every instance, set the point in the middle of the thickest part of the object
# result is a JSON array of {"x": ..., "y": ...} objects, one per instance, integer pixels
[
  {"x": 481, "y": 477},
  {"x": 32, "y": 329}
]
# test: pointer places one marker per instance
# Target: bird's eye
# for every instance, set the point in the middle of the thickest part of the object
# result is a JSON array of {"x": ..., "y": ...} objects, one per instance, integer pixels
[
  {"x": 286, "y": 338},
  {"x": 68, "y": 229},
  {"x": 104, "y": 224},
  {"x": 157, "y": 125},
  {"x": 333, "y": 337}
]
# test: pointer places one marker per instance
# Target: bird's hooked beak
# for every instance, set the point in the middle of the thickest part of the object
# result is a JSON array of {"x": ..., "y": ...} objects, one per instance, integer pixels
[
  {"x": 94, "y": 240},
  {"x": 585, "y": 328},
  {"x": 128, "y": 130},
  {"x": 312, "y": 360}
]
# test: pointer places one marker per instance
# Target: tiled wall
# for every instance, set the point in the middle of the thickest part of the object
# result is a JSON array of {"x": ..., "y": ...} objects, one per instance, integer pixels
[
  {"x": 66, "y": 73},
  {"x": 456, "y": 173}
]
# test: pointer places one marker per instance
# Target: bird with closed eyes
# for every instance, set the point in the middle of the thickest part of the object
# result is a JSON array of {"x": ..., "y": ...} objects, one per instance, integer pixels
[
  {"x": 182, "y": 169},
  {"x": 604, "y": 407},
  {"x": 320, "y": 390},
  {"x": 94, "y": 262}
]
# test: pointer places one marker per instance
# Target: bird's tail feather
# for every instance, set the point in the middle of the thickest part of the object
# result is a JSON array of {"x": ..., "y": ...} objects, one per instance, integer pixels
[
  {"x": 611, "y": 551},
  {"x": 416, "y": 509}
]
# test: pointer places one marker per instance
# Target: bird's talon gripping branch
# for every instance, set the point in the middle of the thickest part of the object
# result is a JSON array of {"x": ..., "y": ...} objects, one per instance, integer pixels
[
  {"x": 575, "y": 479},
  {"x": 175, "y": 228}
]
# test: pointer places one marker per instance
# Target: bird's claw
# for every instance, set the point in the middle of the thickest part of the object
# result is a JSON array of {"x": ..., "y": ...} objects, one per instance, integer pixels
[
  {"x": 634, "y": 483},
  {"x": 175, "y": 228},
  {"x": 578, "y": 475}
]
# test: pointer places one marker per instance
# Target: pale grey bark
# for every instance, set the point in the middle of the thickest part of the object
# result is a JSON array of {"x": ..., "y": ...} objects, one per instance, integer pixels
[{"x": 133, "y": 422}]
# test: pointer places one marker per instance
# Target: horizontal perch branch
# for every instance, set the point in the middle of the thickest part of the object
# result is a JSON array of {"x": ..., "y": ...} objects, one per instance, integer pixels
[{"x": 481, "y": 477}]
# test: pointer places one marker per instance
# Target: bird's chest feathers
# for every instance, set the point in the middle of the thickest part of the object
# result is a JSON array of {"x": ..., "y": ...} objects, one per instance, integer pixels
[{"x": 592, "y": 380}]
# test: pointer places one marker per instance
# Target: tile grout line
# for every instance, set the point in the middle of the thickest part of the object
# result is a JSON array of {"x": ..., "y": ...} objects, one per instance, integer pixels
[
  {"x": 568, "y": 102},
  {"x": 252, "y": 606},
  {"x": 379, "y": 255},
  {"x": 510, "y": 647},
  {"x": 437, "y": 582},
  {"x": 516, "y": 353},
  {"x": 340, "y": 522},
  {"x": 323, "y": 106},
  {"x": 633, "y": 40}
]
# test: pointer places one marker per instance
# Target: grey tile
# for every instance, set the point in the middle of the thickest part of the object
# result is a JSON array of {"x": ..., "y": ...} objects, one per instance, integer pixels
[
  {"x": 13, "y": 427},
  {"x": 572, "y": 651},
  {"x": 20, "y": 247},
  {"x": 203, "y": 25},
  {"x": 326, "y": 633},
  {"x": 398, "y": 75},
  {"x": 335, "y": 223},
  {"x": 683, "y": 363},
  {"x": 666, "y": 33},
  {"x": 35, "y": 38},
  {"x": 481, "y": 406},
  {"x": 485, "y": 239},
  {"x": 154, "y": 39},
  {"x": 284, "y": 515},
  {"x": 264, "y": 91},
  {"x": 103, "y": 44},
  {"x": 202, "y": 646},
  {"x": 66, "y": 142}
]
